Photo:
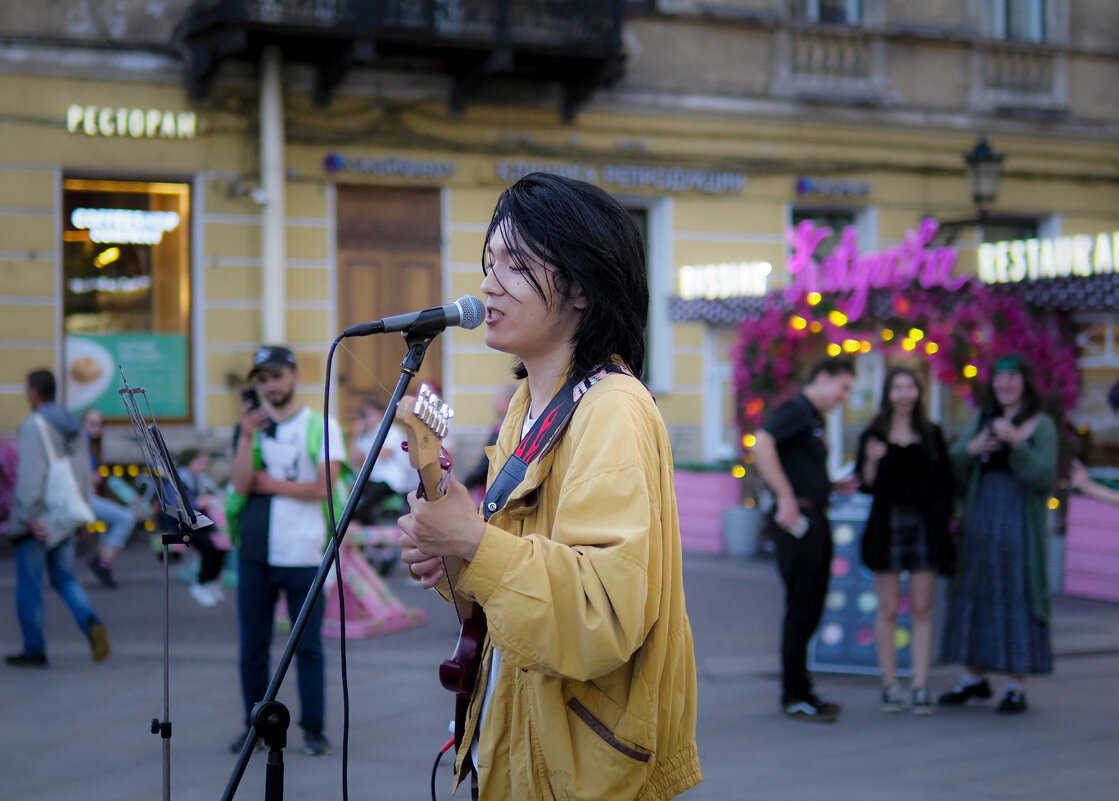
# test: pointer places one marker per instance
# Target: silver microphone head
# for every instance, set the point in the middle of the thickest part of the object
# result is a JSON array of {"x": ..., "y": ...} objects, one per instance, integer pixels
[{"x": 471, "y": 311}]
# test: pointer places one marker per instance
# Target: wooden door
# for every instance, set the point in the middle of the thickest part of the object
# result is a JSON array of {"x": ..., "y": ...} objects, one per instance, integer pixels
[{"x": 389, "y": 263}]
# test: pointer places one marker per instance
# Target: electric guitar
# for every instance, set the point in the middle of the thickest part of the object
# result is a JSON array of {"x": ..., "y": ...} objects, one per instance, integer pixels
[{"x": 426, "y": 419}]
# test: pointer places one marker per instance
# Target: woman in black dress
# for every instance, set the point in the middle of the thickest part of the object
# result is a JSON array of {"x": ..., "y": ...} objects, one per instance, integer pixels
[{"x": 903, "y": 462}]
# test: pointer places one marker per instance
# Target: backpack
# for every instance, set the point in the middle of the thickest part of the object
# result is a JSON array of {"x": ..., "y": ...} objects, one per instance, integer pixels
[{"x": 316, "y": 430}]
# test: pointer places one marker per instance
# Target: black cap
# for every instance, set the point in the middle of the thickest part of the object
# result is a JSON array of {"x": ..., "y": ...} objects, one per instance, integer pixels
[{"x": 272, "y": 356}]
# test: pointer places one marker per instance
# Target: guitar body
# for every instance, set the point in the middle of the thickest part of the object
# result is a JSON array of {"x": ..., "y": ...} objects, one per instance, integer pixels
[{"x": 459, "y": 674}]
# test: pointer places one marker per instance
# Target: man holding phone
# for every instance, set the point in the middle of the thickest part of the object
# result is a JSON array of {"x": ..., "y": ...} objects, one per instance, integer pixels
[
  {"x": 280, "y": 470},
  {"x": 792, "y": 457}
]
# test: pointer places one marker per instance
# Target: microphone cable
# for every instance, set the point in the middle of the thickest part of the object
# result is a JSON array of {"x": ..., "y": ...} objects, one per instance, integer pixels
[{"x": 336, "y": 543}]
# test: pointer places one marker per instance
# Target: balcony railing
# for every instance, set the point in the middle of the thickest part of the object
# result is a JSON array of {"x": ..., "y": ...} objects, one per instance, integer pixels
[
  {"x": 573, "y": 42},
  {"x": 1027, "y": 80}
]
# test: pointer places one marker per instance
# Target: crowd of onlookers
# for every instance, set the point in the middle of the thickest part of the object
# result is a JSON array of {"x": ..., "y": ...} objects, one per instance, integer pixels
[{"x": 974, "y": 510}]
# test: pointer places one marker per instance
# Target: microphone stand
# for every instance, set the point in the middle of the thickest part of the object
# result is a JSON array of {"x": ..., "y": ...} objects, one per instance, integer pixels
[{"x": 270, "y": 718}]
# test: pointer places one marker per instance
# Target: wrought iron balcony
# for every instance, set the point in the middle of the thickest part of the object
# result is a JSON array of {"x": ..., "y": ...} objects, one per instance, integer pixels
[{"x": 576, "y": 43}]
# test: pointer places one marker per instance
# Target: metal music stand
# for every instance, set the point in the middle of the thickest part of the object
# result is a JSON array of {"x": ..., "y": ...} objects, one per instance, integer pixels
[{"x": 174, "y": 503}]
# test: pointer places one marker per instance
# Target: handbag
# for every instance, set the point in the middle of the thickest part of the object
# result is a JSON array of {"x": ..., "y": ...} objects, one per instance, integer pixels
[{"x": 66, "y": 505}]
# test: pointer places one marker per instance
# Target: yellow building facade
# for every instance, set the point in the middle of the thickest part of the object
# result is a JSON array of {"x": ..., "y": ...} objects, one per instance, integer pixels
[{"x": 715, "y": 191}]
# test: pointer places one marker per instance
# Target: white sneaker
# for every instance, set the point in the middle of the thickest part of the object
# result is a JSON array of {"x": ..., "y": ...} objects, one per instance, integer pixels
[{"x": 202, "y": 594}]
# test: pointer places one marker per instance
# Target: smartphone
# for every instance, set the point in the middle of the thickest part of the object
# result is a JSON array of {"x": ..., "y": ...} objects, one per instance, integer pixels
[{"x": 249, "y": 395}]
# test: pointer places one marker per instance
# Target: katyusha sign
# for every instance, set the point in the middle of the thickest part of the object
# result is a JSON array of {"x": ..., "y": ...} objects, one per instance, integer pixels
[
  {"x": 1056, "y": 257},
  {"x": 631, "y": 176},
  {"x": 850, "y": 272},
  {"x": 137, "y": 123}
]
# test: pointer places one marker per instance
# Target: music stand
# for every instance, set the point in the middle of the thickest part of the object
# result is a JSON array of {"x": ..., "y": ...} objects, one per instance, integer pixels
[{"x": 174, "y": 503}]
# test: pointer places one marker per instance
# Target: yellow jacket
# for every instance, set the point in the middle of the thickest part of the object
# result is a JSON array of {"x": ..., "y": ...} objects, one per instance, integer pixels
[{"x": 580, "y": 578}]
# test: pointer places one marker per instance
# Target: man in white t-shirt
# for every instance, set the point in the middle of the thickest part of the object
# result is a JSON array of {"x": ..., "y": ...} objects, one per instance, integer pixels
[{"x": 283, "y": 531}]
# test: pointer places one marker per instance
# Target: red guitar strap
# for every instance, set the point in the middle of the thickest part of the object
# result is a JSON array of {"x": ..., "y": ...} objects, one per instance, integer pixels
[{"x": 541, "y": 437}]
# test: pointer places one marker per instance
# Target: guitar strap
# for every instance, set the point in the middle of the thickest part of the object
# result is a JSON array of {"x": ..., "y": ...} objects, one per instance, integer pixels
[{"x": 540, "y": 438}]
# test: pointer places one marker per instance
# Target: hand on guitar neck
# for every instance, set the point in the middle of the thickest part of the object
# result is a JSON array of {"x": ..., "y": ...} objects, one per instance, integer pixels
[
  {"x": 440, "y": 535},
  {"x": 444, "y": 525}
]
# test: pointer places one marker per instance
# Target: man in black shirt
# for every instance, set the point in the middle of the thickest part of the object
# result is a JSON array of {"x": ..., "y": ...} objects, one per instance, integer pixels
[{"x": 792, "y": 457}]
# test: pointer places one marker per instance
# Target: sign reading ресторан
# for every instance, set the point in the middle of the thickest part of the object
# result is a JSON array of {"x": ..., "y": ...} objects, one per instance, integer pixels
[
  {"x": 137, "y": 123},
  {"x": 1056, "y": 257},
  {"x": 631, "y": 176}
]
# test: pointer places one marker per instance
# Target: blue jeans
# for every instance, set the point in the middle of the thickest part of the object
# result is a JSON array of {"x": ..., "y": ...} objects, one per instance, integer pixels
[
  {"x": 258, "y": 589},
  {"x": 118, "y": 520},
  {"x": 32, "y": 558}
]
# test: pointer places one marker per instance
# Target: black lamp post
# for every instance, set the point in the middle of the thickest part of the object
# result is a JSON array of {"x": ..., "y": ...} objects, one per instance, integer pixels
[{"x": 984, "y": 167}]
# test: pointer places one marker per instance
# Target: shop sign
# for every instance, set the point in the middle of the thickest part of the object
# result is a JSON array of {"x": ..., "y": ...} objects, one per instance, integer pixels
[
  {"x": 848, "y": 271},
  {"x": 828, "y": 187},
  {"x": 125, "y": 226},
  {"x": 631, "y": 176},
  {"x": 748, "y": 279},
  {"x": 389, "y": 166},
  {"x": 150, "y": 359},
  {"x": 1057, "y": 257},
  {"x": 137, "y": 123}
]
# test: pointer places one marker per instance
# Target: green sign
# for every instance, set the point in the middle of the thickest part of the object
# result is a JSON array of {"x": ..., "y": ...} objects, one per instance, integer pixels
[{"x": 156, "y": 362}]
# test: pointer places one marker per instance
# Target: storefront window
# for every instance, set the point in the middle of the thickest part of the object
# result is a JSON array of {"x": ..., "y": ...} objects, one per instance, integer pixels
[
  {"x": 126, "y": 294},
  {"x": 835, "y": 219}
]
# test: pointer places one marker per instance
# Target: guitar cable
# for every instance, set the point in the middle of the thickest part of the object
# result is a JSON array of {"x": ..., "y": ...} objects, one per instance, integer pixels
[{"x": 447, "y": 746}]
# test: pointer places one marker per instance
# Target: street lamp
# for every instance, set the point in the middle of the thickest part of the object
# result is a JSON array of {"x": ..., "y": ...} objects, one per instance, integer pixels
[{"x": 984, "y": 167}]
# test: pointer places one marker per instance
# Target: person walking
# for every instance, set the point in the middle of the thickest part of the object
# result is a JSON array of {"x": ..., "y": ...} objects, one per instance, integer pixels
[
  {"x": 903, "y": 463},
  {"x": 282, "y": 530},
  {"x": 792, "y": 458},
  {"x": 118, "y": 520},
  {"x": 998, "y": 611},
  {"x": 587, "y": 685},
  {"x": 38, "y": 548}
]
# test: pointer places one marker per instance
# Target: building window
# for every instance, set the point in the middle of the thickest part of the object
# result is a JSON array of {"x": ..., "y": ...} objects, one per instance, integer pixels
[
  {"x": 1015, "y": 20},
  {"x": 1010, "y": 230},
  {"x": 835, "y": 219},
  {"x": 828, "y": 12},
  {"x": 126, "y": 295}
]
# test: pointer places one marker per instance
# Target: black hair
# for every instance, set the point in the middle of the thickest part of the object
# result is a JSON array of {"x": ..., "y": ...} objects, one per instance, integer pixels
[
  {"x": 590, "y": 242},
  {"x": 1031, "y": 395},
  {"x": 833, "y": 366},
  {"x": 1113, "y": 397},
  {"x": 42, "y": 383}
]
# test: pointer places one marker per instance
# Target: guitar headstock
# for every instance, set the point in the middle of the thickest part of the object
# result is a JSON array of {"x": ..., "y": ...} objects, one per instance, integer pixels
[{"x": 426, "y": 418}]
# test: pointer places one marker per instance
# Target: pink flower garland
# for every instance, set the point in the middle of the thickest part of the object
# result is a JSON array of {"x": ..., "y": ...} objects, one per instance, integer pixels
[{"x": 960, "y": 344}]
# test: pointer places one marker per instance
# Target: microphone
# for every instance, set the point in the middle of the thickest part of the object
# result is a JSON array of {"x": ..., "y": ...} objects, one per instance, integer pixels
[{"x": 467, "y": 312}]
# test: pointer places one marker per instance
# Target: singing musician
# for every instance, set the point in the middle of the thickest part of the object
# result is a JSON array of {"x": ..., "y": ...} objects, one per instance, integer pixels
[{"x": 587, "y": 686}]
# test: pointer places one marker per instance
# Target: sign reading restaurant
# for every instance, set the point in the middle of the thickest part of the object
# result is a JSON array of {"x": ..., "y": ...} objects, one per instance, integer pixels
[
  {"x": 631, "y": 176},
  {"x": 137, "y": 123},
  {"x": 1056, "y": 257}
]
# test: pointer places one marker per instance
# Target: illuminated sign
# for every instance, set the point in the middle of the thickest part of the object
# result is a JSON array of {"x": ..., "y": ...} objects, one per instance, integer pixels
[
  {"x": 129, "y": 226},
  {"x": 103, "y": 283},
  {"x": 1059, "y": 257},
  {"x": 137, "y": 123},
  {"x": 631, "y": 176},
  {"x": 829, "y": 187},
  {"x": 392, "y": 165},
  {"x": 848, "y": 271},
  {"x": 720, "y": 281}
]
